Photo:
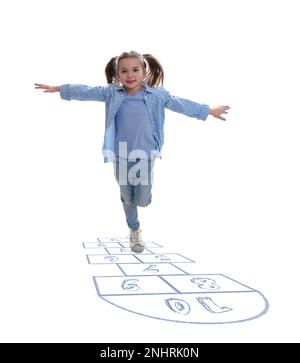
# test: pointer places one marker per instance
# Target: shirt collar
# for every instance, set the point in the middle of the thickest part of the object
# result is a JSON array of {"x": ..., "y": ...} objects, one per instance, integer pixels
[{"x": 147, "y": 88}]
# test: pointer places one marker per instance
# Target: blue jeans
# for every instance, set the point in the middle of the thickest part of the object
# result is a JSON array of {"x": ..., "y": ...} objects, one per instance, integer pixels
[{"x": 135, "y": 181}]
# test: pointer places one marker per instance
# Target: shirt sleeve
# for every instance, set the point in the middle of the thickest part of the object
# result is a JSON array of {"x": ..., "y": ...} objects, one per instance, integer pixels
[
  {"x": 186, "y": 107},
  {"x": 83, "y": 93}
]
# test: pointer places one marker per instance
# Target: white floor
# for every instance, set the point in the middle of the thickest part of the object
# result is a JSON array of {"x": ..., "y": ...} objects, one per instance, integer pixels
[
  {"x": 48, "y": 295},
  {"x": 225, "y": 194}
]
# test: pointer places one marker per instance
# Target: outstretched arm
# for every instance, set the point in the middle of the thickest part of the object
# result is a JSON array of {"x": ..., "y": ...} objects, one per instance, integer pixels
[
  {"x": 47, "y": 88},
  {"x": 218, "y": 111},
  {"x": 78, "y": 92},
  {"x": 191, "y": 108}
]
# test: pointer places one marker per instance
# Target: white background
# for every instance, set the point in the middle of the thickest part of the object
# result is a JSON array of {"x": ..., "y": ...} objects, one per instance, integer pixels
[{"x": 226, "y": 194}]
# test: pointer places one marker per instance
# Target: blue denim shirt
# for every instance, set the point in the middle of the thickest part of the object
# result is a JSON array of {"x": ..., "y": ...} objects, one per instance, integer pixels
[{"x": 157, "y": 100}]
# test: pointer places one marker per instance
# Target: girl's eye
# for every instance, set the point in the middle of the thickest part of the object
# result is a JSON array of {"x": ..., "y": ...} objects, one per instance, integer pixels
[{"x": 123, "y": 71}]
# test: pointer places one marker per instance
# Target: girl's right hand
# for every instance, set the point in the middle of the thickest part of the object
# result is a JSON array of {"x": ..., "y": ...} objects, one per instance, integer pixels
[
  {"x": 46, "y": 88},
  {"x": 218, "y": 111}
]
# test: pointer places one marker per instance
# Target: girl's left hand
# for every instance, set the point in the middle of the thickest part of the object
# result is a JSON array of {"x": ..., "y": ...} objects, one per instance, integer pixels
[{"x": 218, "y": 111}]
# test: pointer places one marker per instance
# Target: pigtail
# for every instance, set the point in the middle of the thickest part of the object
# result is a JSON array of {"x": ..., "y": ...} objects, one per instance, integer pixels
[
  {"x": 155, "y": 74},
  {"x": 111, "y": 70}
]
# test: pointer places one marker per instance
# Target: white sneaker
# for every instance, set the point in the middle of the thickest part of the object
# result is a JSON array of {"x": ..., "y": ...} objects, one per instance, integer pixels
[{"x": 136, "y": 243}]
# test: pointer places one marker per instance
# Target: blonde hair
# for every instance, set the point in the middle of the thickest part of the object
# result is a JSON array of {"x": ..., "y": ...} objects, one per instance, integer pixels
[{"x": 154, "y": 70}]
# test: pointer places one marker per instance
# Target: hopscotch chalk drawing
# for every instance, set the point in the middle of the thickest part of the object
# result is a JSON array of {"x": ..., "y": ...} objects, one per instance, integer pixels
[{"x": 168, "y": 286}]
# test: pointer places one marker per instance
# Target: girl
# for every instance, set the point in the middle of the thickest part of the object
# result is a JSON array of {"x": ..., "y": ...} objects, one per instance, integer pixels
[{"x": 134, "y": 125}]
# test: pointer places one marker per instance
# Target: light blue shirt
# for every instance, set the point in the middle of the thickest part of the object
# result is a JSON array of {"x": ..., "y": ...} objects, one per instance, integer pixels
[
  {"x": 157, "y": 100},
  {"x": 133, "y": 127}
]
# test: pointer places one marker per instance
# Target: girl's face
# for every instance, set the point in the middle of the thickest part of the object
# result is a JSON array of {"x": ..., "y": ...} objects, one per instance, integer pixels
[{"x": 131, "y": 74}]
